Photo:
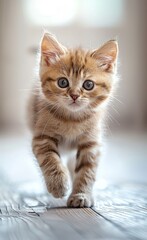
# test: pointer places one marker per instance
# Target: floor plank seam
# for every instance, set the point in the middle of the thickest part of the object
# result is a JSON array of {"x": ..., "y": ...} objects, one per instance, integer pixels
[{"x": 129, "y": 236}]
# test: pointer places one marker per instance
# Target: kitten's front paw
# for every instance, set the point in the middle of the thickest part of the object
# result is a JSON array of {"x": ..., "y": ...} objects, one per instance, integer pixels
[
  {"x": 80, "y": 200},
  {"x": 58, "y": 184}
]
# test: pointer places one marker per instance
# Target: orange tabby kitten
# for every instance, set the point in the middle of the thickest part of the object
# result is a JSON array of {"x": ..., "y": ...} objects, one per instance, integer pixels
[{"x": 67, "y": 109}]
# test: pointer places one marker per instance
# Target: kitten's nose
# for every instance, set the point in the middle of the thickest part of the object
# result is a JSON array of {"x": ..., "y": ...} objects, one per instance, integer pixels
[{"x": 74, "y": 96}]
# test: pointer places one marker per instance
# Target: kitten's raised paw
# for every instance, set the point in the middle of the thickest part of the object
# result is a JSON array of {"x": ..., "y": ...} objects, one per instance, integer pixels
[
  {"x": 58, "y": 184},
  {"x": 80, "y": 200}
]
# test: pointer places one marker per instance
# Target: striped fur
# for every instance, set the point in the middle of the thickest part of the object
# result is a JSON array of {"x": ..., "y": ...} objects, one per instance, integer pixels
[{"x": 56, "y": 119}]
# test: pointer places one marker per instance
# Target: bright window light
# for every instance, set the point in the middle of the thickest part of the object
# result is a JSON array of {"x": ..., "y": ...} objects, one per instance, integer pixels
[
  {"x": 50, "y": 12},
  {"x": 101, "y": 13},
  {"x": 91, "y": 13}
]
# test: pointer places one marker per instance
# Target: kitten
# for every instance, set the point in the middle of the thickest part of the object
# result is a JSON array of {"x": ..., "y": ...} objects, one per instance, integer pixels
[{"x": 67, "y": 109}]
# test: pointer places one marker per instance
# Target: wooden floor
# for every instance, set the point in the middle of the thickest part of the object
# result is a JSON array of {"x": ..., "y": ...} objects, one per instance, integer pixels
[
  {"x": 120, "y": 212},
  {"x": 27, "y": 212}
]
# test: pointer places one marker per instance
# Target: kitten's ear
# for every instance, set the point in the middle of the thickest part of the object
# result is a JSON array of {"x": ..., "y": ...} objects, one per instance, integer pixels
[
  {"x": 107, "y": 56},
  {"x": 51, "y": 49}
]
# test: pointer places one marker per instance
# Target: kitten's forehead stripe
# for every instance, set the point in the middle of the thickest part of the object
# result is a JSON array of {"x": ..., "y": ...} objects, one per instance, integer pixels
[{"x": 77, "y": 63}]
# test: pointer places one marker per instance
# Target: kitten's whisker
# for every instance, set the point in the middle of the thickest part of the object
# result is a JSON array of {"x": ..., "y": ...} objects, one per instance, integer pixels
[
  {"x": 117, "y": 99},
  {"x": 118, "y": 114},
  {"x": 32, "y": 115},
  {"x": 42, "y": 109},
  {"x": 113, "y": 119},
  {"x": 109, "y": 117}
]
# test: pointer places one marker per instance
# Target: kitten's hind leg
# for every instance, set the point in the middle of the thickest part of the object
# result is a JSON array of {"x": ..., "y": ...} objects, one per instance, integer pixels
[{"x": 55, "y": 174}]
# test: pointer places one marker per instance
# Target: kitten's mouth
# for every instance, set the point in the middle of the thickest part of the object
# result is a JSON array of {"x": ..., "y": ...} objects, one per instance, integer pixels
[
  {"x": 75, "y": 106},
  {"x": 74, "y": 103}
]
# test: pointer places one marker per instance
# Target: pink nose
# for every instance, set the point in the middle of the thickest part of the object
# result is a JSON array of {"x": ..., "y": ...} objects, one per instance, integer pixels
[{"x": 74, "y": 96}]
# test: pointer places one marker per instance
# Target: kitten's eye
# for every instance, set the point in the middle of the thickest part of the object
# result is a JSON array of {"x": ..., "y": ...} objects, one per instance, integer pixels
[
  {"x": 88, "y": 85},
  {"x": 63, "y": 83}
]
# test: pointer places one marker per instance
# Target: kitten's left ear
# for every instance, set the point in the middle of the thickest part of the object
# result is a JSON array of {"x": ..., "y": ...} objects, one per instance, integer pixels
[
  {"x": 51, "y": 49},
  {"x": 106, "y": 56}
]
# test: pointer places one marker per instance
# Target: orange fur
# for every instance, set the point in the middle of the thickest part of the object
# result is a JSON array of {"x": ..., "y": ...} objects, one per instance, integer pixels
[{"x": 59, "y": 119}]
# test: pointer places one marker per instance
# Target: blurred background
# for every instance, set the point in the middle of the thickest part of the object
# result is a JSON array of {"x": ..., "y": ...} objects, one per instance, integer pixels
[{"x": 88, "y": 23}]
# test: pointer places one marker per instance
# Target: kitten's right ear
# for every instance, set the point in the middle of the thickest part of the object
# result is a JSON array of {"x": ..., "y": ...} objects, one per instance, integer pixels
[{"x": 51, "y": 49}]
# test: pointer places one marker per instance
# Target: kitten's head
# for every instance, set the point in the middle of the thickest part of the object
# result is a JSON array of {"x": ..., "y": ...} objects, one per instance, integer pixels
[{"x": 77, "y": 80}]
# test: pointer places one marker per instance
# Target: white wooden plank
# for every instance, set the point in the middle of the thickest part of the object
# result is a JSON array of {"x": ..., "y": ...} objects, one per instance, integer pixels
[
  {"x": 37, "y": 216},
  {"x": 125, "y": 206}
]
